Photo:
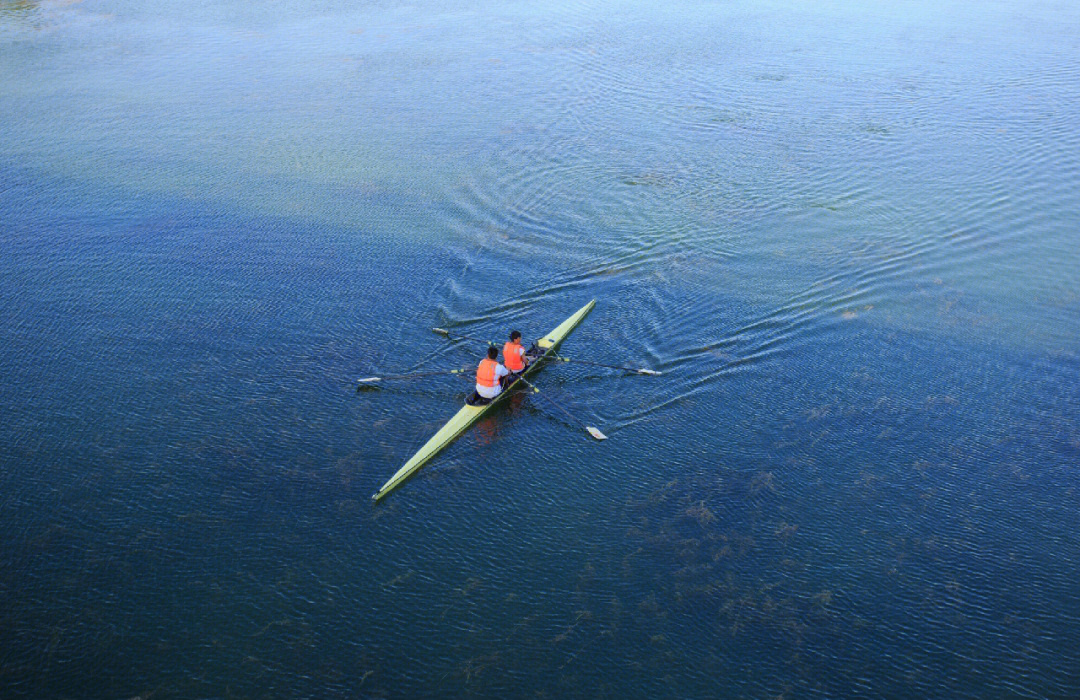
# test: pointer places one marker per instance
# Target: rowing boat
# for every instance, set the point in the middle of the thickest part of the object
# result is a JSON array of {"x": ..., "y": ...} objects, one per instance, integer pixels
[{"x": 468, "y": 415}]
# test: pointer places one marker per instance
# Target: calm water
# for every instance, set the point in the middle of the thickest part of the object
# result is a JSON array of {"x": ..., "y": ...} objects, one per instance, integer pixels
[{"x": 845, "y": 231}]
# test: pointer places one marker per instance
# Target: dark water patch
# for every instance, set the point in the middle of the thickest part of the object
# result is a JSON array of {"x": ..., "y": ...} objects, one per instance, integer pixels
[
  {"x": 700, "y": 531},
  {"x": 18, "y": 9}
]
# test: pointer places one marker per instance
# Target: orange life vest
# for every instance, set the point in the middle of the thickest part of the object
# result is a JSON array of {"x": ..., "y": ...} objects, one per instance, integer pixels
[
  {"x": 512, "y": 358},
  {"x": 485, "y": 373}
]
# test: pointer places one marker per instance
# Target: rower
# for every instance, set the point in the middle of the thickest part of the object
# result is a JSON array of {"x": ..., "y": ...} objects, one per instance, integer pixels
[
  {"x": 514, "y": 356},
  {"x": 489, "y": 373}
]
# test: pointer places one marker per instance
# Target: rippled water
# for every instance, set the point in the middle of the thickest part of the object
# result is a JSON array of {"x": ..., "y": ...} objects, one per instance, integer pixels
[{"x": 844, "y": 231}]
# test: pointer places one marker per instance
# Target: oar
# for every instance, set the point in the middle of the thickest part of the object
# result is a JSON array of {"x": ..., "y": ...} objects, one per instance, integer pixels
[
  {"x": 443, "y": 331},
  {"x": 414, "y": 375},
  {"x": 595, "y": 432},
  {"x": 455, "y": 334},
  {"x": 560, "y": 358}
]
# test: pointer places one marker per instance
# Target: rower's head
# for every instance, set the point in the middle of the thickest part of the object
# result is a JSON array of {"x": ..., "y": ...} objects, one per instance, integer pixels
[
  {"x": 515, "y": 336},
  {"x": 493, "y": 352}
]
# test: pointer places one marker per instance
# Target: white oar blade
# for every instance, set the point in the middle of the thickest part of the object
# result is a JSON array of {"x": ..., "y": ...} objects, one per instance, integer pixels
[
  {"x": 368, "y": 380},
  {"x": 649, "y": 371},
  {"x": 441, "y": 331},
  {"x": 595, "y": 433}
]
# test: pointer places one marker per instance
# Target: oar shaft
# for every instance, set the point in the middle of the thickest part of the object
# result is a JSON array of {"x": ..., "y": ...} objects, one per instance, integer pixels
[
  {"x": 414, "y": 375},
  {"x": 552, "y": 402},
  {"x": 591, "y": 430},
  {"x": 461, "y": 336},
  {"x": 560, "y": 358}
]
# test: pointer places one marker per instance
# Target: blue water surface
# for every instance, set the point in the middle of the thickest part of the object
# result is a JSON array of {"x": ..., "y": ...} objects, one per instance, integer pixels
[{"x": 844, "y": 231}]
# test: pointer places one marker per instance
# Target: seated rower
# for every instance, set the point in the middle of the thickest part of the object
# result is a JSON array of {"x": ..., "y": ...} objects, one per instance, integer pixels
[
  {"x": 489, "y": 374},
  {"x": 514, "y": 356}
]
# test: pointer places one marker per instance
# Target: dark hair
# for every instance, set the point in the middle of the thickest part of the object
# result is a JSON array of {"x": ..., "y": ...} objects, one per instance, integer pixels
[
  {"x": 514, "y": 335},
  {"x": 493, "y": 352}
]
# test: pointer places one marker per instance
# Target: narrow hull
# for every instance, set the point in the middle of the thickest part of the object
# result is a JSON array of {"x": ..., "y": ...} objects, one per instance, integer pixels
[{"x": 468, "y": 415}]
